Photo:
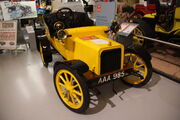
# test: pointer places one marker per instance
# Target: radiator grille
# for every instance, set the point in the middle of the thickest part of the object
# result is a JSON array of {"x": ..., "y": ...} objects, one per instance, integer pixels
[{"x": 110, "y": 60}]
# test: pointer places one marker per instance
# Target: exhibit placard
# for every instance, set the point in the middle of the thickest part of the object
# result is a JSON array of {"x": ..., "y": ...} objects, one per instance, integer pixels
[
  {"x": 127, "y": 28},
  {"x": 105, "y": 12},
  {"x": 29, "y": 29},
  {"x": 8, "y": 34}
]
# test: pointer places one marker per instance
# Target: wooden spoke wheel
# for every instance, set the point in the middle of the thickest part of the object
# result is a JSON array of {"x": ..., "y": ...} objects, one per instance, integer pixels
[
  {"x": 140, "y": 69},
  {"x": 71, "y": 89},
  {"x": 138, "y": 40}
]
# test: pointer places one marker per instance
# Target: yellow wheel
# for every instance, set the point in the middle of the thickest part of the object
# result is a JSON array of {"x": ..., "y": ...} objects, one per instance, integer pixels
[
  {"x": 143, "y": 29},
  {"x": 71, "y": 88},
  {"x": 138, "y": 40},
  {"x": 45, "y": 52},
  {"x": 139, "y": 69}
]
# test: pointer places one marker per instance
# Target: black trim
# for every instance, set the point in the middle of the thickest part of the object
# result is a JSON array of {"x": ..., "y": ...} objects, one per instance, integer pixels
[
  {"x": 110, "y": 60},
  {"x": 77, "y": 65}
]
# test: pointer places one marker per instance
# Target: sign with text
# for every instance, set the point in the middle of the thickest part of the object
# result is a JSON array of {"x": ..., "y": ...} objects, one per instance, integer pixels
[
  {"x": 8, "y": 34},
  {"x": 127, "y": 28},
  {"x": 105, "y": 12}
]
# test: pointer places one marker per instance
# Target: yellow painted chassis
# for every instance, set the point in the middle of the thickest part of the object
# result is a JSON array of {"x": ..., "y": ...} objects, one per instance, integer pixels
[{"x": 82, "y": 45}]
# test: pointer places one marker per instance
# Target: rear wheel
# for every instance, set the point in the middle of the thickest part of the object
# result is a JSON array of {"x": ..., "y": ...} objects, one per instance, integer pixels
[
  {"x": 45, "y": 52},
  {"x": 144, "y": 29},
  {"x": 138, "y": 40},
  {"x": 139, "y": 69},
  {"x": 71, "y": 88}
]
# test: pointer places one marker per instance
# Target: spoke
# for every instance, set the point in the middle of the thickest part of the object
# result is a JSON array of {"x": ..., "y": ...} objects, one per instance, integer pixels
[
  {"x": 135, "y": 31},
  {"x": 131, "y": 57},
  {"x": 141, "y": 71},
  {"x": 75, "y": 86},
  {"x": 76, "y": 92},
  {"x": 137, "y": 58},
  {"x": 67, "y": 79},
  {"x": 71, "y": 80},
  {"x": 75, "y": 96},
  {"x": 62, "y": 79},
  {"x": 138, "y": 75},
  {"x": 72, "y": 98},
  {"x": 68, "y": 96},
  {"x": 128, "y": 59},
  {"x": 137, "y": 66},
  {"x": 64, "y": 93},
  {"x": 62, "y": 85}
]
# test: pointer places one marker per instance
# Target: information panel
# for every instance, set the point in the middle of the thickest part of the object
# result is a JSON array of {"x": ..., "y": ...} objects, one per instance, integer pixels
[
  {"x": 127, "y": 28},
  {"x": 105, "y": 12},
  {"x": 8, "y": 34}
]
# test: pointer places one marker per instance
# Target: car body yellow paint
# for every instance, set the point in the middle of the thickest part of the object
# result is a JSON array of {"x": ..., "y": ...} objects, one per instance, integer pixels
[
  {"x": 152, "y": 16},
  {"x": 83, "y": 45}
]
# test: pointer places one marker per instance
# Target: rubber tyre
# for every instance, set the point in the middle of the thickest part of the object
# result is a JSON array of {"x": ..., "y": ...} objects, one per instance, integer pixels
[
  {"x": 45, "y": 52},
  {"x": 148, "y": 65},
  {"x": 146, "y": 30},
  {"x": 83, "y": 86},
  {"x": 39, "y": 32}
]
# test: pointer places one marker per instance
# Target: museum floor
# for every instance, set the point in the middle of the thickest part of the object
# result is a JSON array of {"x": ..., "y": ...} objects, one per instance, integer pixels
[{"x": 27, "y": 93}]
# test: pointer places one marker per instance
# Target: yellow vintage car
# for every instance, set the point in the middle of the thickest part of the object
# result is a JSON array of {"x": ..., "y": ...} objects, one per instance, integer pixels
[{"x": 90, "y": 58}]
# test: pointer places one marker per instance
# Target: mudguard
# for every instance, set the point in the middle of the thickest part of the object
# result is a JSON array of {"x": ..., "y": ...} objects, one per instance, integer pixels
[
  {"x": 140, "y": 50},
  {"x": 78, "y": 65}
]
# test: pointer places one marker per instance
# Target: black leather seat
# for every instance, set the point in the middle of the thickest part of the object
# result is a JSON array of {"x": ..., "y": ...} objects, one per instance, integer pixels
[{"x": 80, "y": 19}]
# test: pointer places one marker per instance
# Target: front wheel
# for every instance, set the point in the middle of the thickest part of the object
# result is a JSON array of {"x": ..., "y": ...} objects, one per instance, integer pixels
[
  {"x": 71, "y": 88},
  {"x": 139, "y": 69}
]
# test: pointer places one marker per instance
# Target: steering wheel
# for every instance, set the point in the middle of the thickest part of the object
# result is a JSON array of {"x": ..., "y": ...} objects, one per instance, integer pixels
[
  {"x": 64, "y": 13},
  {"x": 66, "y": 16}
]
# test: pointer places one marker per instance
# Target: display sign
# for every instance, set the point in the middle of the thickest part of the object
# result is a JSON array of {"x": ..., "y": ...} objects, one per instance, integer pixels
[
  {"x": 8, "y": 34},
  {"x": 127, "y": 28},
  {"x": 30, "y": 29},
  {"x": 105, "y": 12},
  {"x": 18, "y": 10}
]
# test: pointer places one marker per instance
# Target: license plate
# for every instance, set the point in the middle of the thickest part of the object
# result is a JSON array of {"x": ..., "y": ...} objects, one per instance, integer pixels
[{"x": 110, "y": 77}]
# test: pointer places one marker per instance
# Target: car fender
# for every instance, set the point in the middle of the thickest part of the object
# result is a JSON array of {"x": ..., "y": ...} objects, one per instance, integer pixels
[{"x": 140, "y": 50}]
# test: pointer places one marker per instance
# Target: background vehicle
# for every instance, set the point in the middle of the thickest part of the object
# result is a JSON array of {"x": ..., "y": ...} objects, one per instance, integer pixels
[
  {"x": 164, "y": 24},
  {"x": 90, "y": 58},
  {"x": 141, "y": 10}
]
